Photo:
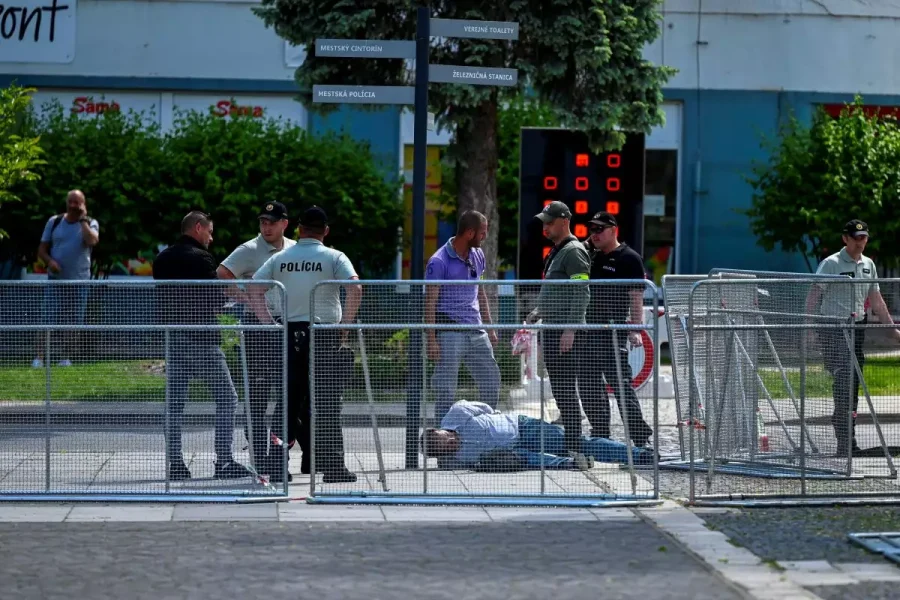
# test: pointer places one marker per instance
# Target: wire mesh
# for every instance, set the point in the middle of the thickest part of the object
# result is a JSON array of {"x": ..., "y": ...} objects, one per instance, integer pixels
[
  {"x": 137, "y": 388},
  {"x": 777, "y": 368},
  {"x": 457, "y": 389}
]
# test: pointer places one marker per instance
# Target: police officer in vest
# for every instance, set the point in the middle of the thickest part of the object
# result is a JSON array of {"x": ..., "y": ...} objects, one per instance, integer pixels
[
  {"x": 299, "y": 269},
  {"x": 617, "y": 304},
  {"x": 839, "y": 301},
  {"x": 563, "y": 305},
  {"x": 261, "y": 346}
]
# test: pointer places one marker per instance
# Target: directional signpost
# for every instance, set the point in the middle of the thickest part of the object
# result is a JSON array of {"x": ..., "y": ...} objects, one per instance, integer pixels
[{"x": 426, "y": 27}]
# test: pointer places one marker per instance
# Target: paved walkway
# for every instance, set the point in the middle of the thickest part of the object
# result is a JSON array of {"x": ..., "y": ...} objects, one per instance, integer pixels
[{"x": 207, "y": 550}]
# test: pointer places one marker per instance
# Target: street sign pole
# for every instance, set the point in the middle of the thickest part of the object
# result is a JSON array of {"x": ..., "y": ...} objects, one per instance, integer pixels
[
  {"x": 424, "y": 122},
  {"x": 416, "y": 357}
]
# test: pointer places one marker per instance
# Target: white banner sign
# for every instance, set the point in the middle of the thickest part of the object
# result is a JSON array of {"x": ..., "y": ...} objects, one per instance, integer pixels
[{"x": 38, "y": 31}]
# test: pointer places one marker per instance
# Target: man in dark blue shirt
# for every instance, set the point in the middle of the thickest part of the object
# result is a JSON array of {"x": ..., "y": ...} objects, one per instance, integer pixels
[{"x": 195, "y": 354}]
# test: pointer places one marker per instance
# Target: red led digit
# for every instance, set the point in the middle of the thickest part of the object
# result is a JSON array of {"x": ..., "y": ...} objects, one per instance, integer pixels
[
  {"x": 547, "y": 203},
  {"x": 581, "y": 184},
  {"x": 580, "y": 231},
  {"x": 546, "y": 251},
  {"x": 550, "y": 183},
  {"x": 581, "y": 160},
  {"x": 614, "y": 161},
  {"x": 613, "y": 184},
  {"x": 581, "y": 207},
  {"x": 612, "y": 208}
]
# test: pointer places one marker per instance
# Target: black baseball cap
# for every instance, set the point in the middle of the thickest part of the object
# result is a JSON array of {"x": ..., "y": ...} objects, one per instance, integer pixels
[
  {"x": 554, "y": 210},
  {"x": 274, "y": 211},
  {"x": 604, "y": 219},
  {"x": 314, "y": 216},
  {"x": 856, "y": 228}
]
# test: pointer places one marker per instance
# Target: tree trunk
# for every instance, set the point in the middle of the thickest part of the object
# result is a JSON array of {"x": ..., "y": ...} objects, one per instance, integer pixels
[{"x": 476, "y": 181}]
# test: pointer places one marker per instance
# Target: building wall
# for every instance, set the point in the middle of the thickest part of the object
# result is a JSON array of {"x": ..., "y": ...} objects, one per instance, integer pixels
[{"x": 742, "y": 66}]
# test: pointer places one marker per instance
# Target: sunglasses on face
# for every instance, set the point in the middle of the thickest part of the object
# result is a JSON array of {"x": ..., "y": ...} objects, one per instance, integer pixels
[
  {"x": 472, "y": 270},
  {"x": 598, "y": 229}
]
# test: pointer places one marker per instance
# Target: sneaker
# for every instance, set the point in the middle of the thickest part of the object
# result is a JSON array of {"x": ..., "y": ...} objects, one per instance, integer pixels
[
  {"x": 231, "y": 470},
  {"x": 178, "y": 471},
  {"x": 65, "y": 363},
  {"x": 37, "y": 363},
  {"x": 341, "y": 475},
  {"x": 583, "y": 462}
]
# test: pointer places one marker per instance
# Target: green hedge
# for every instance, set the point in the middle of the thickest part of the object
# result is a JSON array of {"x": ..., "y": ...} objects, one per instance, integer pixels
[{"x": 140, "y": 182}]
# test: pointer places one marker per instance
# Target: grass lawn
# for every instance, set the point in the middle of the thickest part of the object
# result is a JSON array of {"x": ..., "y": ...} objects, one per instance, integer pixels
[
  {"x": 882, "y": 376},
  {"x": 143, "y": 381}
]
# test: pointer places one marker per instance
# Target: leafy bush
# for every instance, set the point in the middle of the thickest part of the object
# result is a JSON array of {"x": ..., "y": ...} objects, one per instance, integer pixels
[{"x": 140, "y": 182}]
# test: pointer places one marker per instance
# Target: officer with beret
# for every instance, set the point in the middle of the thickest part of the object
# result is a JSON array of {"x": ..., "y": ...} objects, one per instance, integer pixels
[
  {"x": 299, "y": 269},
  {"x": 839, "y": 301},
  {"x": 262, "y": 347}
]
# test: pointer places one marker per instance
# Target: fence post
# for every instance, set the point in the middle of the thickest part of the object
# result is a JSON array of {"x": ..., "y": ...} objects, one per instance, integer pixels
[
  {"x": 167, "y": 409},
  {"x": 47, "y": 402}
]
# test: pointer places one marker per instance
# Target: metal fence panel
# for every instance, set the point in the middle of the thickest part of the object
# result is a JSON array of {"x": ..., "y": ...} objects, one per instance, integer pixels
[
  {"x": 789, "y": 438},
  {"x": 437, "y": 382},
  {"x": 147, "y": 390}
]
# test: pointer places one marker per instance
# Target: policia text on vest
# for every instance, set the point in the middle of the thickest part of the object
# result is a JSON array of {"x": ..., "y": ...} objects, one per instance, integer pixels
[{"x": 299, "y": 269}]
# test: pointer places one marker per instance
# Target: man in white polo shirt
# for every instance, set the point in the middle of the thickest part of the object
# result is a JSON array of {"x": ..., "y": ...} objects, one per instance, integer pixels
[
  {"x": 261, "y": 346},
  {"x": 847, "y": 301}
]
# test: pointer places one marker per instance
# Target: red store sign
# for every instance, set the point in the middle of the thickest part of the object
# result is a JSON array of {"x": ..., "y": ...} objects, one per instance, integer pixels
[
  {"x": 226, "y": 108},
  {"x": 86, "y": 105}
]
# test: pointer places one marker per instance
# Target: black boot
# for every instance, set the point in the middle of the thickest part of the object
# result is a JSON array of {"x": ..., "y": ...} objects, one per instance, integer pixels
[
  {"x": 340, "y": 474},
  {"x": 178, "y": 471}
]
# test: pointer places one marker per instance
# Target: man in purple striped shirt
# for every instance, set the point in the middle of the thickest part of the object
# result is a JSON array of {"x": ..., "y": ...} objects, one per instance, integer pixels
[{"x": 461, "y": 258}]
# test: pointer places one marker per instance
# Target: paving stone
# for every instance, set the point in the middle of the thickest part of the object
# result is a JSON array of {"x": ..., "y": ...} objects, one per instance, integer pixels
[
  {"x": 870, "y": 571},
  {"x": 435, "y": 513},
  {"x": 127, "y": 512},
  {"x": 536, "y": 514},
  {"x": 225, "y": 512},
  {"x": 11, "y": 513},
  {"x": 306, "y": 512}
]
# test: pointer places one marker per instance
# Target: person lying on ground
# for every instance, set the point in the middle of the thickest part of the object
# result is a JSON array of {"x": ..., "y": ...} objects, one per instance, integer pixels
[{"x": 474, "y": 435}]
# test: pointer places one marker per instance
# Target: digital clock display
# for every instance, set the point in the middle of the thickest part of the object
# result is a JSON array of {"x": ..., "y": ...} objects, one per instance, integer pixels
[{"x": 556, "y": 164}]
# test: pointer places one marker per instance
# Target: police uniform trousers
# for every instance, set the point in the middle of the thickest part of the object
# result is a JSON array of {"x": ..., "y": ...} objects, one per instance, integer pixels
[
  {"x": 845, "y": 381},
  {"x": 264, "y": 357},
  {"x": 597, "y": 370},
  {"x": 562, "y": 369},
  {"x": 332, "y": 366}
]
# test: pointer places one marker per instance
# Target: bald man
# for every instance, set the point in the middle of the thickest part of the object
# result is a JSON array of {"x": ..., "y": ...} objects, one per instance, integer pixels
[{"x": 65, "y": 248}]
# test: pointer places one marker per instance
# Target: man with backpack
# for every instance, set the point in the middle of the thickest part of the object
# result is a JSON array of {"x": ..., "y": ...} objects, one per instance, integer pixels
[{"x": 65, "y": 248}]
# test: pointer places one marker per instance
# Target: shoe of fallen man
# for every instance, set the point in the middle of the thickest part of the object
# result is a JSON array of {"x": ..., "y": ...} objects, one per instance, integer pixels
[{"x": 231, "y": 470}]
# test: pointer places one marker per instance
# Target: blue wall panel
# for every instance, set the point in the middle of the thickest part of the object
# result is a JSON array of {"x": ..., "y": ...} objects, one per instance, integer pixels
[{"x": 380, "y": 128}]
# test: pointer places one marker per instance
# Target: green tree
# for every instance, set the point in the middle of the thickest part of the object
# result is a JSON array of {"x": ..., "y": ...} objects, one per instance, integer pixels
[
  {"x": 20, "y": 154},
  {"x": 140, "y": 182},
  {"x": 585, "y": 59},
  {"x": 821, "y": 175}
]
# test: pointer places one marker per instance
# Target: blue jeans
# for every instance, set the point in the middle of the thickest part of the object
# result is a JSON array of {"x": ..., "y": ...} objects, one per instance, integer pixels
[
  {"x": 206, "y": 363},
  {"x": 601, "y": 449},
  {"x": 475, "y": 350}
]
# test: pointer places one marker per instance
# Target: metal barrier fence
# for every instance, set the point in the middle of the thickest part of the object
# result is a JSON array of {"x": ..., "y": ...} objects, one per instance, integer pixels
[
  {"x": 779, "y": 364},
  {"x": 141, "y": 391},
  {"x": 528, "y": 421}
]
